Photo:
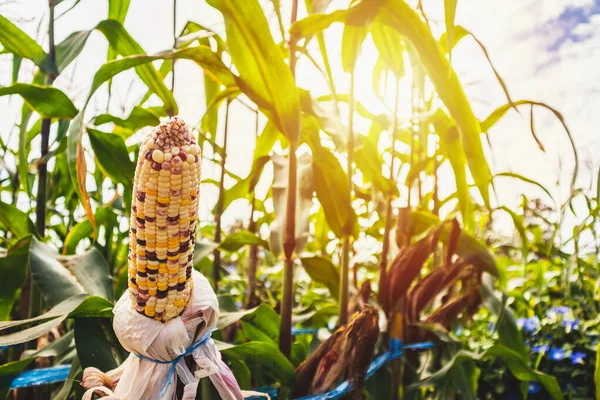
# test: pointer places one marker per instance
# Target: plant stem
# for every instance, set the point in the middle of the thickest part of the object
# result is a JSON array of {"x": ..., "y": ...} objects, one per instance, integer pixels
[
  {"x": 289, "y": 242},
  {"x": 346, "y": 241},
  {"x": 219, "y": 208},
  {"x": 40, "y": 205},
  {"x": 389, "y": 214},
  {"x": 174, "y": 45},
  {"x": 253, "y": 250}
]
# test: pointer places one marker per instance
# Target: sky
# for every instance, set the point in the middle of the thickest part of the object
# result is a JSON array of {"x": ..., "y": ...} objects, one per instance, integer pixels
[{"x": 545, "y": 51}]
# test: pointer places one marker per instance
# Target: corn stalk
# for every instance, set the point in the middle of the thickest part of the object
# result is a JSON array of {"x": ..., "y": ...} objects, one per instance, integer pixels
[
  {"x": 346, "y": 241},
  {"x": 253, "y": 249},
  {"x": 219, "y": 208},
  {"x": 389, "y": 214},
  {"x": 289, "y": 241}
]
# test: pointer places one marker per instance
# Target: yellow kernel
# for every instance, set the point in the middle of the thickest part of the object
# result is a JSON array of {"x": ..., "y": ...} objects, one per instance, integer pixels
[{"x": 149, "y": 311}]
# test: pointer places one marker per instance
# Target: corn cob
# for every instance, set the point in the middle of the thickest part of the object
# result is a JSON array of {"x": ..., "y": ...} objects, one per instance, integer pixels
[{"x": 163, "y": 221}]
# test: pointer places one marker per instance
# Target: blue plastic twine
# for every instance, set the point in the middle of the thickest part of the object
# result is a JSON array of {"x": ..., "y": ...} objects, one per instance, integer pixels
[
  {"x": 42, "y": 376},
  {"x": 198, "y": 343}
]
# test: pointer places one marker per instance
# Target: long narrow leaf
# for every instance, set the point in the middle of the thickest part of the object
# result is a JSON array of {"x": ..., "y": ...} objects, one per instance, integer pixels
[
  {"x": 47, "y": 101},
  {"x": 449, "y": 13},
  {"x": 524, "y": 179},
  {"x": 123, "y": 44},
  {"x": 18, "y": 42},
  {"x": 498, "y": 113},
  {"x": 260, "y": 62},
  {"x": 400, "y": 16}
]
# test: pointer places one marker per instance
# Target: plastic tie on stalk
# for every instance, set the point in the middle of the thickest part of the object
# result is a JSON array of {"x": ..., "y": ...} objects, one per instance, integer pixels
[
  {"x": 396, "y": 350},
  {"x": 42, "y": 376},
  {"x": 304, "y": 331},
  {"x": 191, "y": 348}
]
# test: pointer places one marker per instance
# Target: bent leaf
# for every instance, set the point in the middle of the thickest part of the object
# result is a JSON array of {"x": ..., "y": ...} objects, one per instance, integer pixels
[
  {"x": 239, "y": 239},
  {"x": 112, "y": 156},
  {"x": 123, "y": 44},
  {"x": 18, "y": 42},
  {"x": 137, "y": 119},
  {"x": 331, "y": 183},
  {"x": 47, "y": 101},
  {"x": 61, "y": 277},
  {"x": 266, "y": 360},
  {"x": 70, "y": 48},
  {"x": 322, "y": 270},
  {"x": 452, "y": 148},
  {"x": 400, "y": 16},
  {"x": 260, "y": 63},
  {"x": 390, "y": 47},
  {"x": 15, "y": 221}
]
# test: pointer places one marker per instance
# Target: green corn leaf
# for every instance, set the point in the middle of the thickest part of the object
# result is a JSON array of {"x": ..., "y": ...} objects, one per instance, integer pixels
[
  {"x": 13, "y": 269},
  {"x": 352, "y": 40},
  {"x": 112, "y": 156},
  {"x": 328, "y": 115},
  {"x": 260, "y": 63},
  {"x": 117, "y": 9},
  {"x": 390, "y": 47},
  {"x": 459, "y": 32},
  {"x": 322, "y": 270},
  {"x": 96, "y": 343},
  {"x": 60, "y": 277},
  {"x": 360, "y": 14},
  {"x": 449, "y": 14},
  {"x": 266, "y": 360},
  {"x": 331, "y": 183},
  {"x": 264, "y": 145},
  {"x": 452, "y": 148},
  {"x": 400, "y": 16},
  {"x": 524, "y": 179},
  {"x": 15, "y": 221},
  {"x": 239, "y": 239},
  {"x": 70, "y": 48},
  {"x": 520, "y": 227},
  {"x": 137, "y": 119},
  {"x": 84, "y": 229},
  {"x": 498, "y": 113},
  {"x": 370, "y": 163},
  {"x": 16, "y": 67},
  {"x": 210, "y": 120},
  {"x": 47, "y": 101},
  {"x": 45, "y": 322},
  {"x": 18, "y": 42},
  {"x": 316, "y": 23},
  {"x": 125, "y": 45}
]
